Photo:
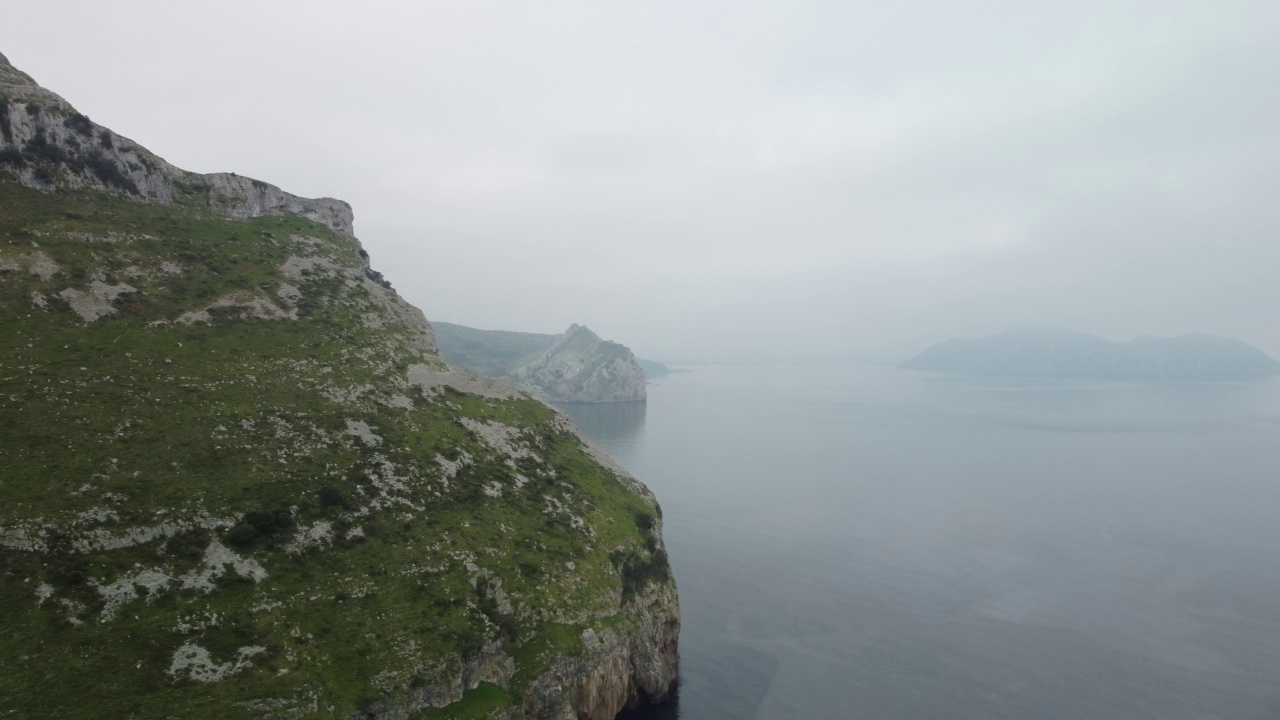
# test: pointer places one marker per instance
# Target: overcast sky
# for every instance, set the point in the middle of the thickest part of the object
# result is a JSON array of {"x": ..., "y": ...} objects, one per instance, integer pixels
[{"x": 735, "y": 180}]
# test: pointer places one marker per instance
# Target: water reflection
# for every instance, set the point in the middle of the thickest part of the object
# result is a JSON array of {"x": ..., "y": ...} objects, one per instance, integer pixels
[{"x": 616, "y": 427}]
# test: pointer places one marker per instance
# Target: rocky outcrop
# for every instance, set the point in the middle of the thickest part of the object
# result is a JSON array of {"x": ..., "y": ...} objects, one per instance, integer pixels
[
  {"x": 239, "y": 481},
  {"x": 580, "y": 367},
  {"x": 45, "y": 142},
  {"x": 499, "y": 353},
  {"x": 615, "y": 671}
]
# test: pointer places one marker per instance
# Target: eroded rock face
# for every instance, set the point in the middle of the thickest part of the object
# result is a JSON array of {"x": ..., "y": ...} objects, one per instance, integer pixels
[
  {"x": 580, "y": 367},
  {"x": 45, "y": 142},
  {"x": 239, "y": 480},
  {"x": 616, "y": 671}
]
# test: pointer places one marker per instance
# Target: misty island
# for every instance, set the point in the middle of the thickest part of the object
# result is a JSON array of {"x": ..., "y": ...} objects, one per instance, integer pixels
[
  {"x": 1054, "y": 352},
  {"x": 240, "y": 481}
]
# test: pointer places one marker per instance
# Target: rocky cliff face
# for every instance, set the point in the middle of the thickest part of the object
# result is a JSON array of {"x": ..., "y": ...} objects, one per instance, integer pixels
[
  {"x": 45, "y": 142},
  {"x": 580, "y": 367},
  {"x": 240, "y": 482}
]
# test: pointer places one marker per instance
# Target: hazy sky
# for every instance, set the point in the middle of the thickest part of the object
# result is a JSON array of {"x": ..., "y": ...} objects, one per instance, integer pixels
[{"x": 715, "y": 180}]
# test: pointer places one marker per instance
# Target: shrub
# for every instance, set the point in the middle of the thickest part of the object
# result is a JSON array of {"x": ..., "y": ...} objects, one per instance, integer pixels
[
  {"x": 109, "y": 172},
  {"x": 188, "y": 545},
  {"x": 11, "y": 156},
  {"x": 644, "y": 521},
  {"x": 332, "y": 497},
  {"x": 376, "y": 276},
  {"x": 79, "y": 123},
  {"x": 637, "y": 571},
  {"x": 242, "y": 535},
  {"x": 41, "y": 149},
  {"x": 259, "y": 526}
]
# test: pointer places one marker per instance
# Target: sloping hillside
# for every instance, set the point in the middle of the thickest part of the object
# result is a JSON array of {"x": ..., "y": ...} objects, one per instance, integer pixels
[
  {"x": 240, "y": 482},
  {"x": 491, "y": 352}
]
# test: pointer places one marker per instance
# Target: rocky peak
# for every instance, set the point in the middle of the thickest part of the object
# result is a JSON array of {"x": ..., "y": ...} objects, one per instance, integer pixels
[
  {"x": 581, "y": 367},
  {"x": 47, "y": 143}
]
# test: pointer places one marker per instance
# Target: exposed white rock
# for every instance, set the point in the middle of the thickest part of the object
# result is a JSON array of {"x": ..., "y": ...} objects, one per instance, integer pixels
[
  {"x": 251, "y": 306},
  {"x": 96, "y": 515},
  {"x": 297, "y": 268},
  {"x": 37, "y": 263},
  {"x": 400, "y": 401},
  {"x": 504, "y": 439},
  {"x": 31, "y": 539},
  {"x": 289, "y": 293},
  {"x": 433, "y": 378},
  {"x": 99, "y": 539},
  {"x": 194, "y": 316},
  {"x": 192, "y": 662},
  {"x": 316, "y": 535},
  {"x": 125, "y": 589},
  {"x": 217, "y": 558},
  {"x": 362, "y": 430},
  {"x": 95, "y": 302},
  {"x": 580, "y": 367}
]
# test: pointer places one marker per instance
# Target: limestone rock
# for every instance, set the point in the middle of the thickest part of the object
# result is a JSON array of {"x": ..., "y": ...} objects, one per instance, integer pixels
[
  {"x": 46, "y": 142},
  {"x": 580, "y": 367}
]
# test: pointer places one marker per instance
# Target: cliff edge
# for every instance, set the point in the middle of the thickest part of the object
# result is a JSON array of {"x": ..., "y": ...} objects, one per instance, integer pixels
[{"x": 239, "y": 481}]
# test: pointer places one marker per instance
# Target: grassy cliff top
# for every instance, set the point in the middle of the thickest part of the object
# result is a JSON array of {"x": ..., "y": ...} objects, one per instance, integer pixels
[{"x": 239, "y": 481}]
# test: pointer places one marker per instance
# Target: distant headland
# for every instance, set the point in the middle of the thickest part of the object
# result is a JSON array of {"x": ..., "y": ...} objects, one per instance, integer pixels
[
  {"x": 1055, "y": 352},
  {"x": 576, "y": 366}
]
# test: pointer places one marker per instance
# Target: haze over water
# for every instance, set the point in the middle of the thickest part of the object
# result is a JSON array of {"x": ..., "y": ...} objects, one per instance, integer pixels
[{"x": 867, "y": 542}]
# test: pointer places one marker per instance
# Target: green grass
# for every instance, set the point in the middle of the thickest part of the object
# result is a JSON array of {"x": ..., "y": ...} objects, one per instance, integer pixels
[
  {"x": 477, "y": 703},
  {"x": 123, "y": 423}
]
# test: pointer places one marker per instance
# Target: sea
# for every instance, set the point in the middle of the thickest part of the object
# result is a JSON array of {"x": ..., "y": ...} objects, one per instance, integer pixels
[{"x": 857, "y": 541}]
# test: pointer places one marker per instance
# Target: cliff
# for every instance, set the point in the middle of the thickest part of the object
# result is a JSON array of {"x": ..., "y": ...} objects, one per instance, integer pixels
[
  {"x": 47, "y": 143},
  {"x": 1055, "y": 352},
  {"x": 490, "y": 352},
  {"x": 575, "y": 366},
  {"x": 580, "y": 367},
  {"x": 239, "y": 481}
]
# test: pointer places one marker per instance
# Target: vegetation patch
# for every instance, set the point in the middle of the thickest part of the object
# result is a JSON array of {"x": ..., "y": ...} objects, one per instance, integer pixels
[{"x": 193, "y": 492}]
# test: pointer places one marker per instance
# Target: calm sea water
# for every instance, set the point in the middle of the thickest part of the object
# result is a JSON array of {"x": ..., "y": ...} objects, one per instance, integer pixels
[{"x": 867, "y": 542}]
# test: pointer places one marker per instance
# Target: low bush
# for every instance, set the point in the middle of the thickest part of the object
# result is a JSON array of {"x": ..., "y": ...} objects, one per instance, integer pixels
[{"x": 80, "y": 123}]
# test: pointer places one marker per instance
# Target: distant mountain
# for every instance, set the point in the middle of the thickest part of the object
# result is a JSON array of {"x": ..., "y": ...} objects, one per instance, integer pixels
[
  {"x": 490, "y": 352},
  {"x": 1057, "y": 352},
  {"x": 575, "y": 366},
  {"x": 580, "y": 367}
]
